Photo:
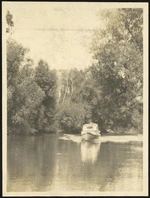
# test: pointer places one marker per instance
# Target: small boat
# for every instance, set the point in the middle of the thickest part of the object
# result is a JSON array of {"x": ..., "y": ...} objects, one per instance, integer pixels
[{"x": 90, "y": 132}]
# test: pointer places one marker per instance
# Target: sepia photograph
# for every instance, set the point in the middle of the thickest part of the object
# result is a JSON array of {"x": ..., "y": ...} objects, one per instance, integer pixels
[{"x": 75, "y": 99}]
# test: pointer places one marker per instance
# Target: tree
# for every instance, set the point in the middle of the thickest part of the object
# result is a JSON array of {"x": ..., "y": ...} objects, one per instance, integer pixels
[
  {"x": 31, "y": 93},
  {"x": 118, "y": 49},
  {"x": 26, "y": 104},
  {"x": 47, "y": 81},
  {"x": 24, "y": 96},
  {"x": 76, "y": 99},
  {"x": 10, "y": 23},
  {"x": 15, "y": 57},
  {"x": 70, "y": 81},
  {"x": 70, "y": 116}
]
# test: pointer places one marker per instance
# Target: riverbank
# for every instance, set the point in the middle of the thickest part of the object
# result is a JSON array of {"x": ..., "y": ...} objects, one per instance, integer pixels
[{"x": 105, "y": 138}]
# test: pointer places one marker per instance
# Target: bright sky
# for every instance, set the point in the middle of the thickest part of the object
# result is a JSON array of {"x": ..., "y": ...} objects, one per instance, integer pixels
[{"x": 59, "y": 33}]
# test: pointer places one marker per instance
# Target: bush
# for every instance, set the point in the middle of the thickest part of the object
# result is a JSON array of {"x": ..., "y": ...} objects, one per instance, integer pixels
[{"x": 70, "y": 117}]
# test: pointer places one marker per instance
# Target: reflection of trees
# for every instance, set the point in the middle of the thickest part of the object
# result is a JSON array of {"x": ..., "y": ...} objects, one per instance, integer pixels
[
  {"x": 68, "y": 171},
  {"x": 114, "y": 156},
  {"x": 35, "y": 160},
  {"x": 44, "y": 163},
  {"x": 111, "y": 159}
]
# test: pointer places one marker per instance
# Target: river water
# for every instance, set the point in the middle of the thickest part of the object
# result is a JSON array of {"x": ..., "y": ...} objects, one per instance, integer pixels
[{"x": 50, "y": 163}]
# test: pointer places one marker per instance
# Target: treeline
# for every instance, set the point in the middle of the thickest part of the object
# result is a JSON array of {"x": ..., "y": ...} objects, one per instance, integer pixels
[
  {"x": 31, "y": 92},
  {"x": 109, "y": 92}
]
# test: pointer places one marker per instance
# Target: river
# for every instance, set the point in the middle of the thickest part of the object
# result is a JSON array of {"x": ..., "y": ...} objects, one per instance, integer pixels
[{"x": 50, "y": 163}]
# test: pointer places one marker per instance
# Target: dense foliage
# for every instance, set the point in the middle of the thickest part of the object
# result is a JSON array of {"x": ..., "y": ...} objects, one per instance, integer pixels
[
  {"x": 119, "y": 68},
  {"x": 30, "y": 92},
  {"x": 108, "y": 93}
]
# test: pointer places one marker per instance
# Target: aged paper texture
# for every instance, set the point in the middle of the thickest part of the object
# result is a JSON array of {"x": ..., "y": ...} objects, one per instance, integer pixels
[{"x": 49, "y": 88}]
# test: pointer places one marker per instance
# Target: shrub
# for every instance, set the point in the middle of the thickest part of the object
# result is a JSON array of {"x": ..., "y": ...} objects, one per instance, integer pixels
[{"x": 71, "y": 116}]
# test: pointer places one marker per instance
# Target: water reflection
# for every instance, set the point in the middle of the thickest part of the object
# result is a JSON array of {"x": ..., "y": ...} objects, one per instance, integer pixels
[
  {"x": 45, "y": 163},
  {"x": 89, "y": 152},
  {"x": 31, "y": 162}
]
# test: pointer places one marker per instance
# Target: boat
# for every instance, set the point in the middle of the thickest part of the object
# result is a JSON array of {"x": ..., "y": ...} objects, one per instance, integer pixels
[{"x": 90, "y": 132}]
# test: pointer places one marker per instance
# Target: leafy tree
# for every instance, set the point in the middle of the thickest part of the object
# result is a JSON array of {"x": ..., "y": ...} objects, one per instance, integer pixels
[
  {"x": 118, "y": 49},
  {"x": 26, "y": 103},
  {"x": 24, "y": 96},
  {"x": 70, "y": 81},
  {"x": 47, "y": 81},
  {"x": 70, "y": 117},
  {"x": 10, "y": 23},
  {"x": 15, "y": 57},
  {"x": 31, "y": 92}
]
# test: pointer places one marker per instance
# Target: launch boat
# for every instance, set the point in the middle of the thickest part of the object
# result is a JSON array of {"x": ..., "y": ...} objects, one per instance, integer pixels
[{"x": 90, "y": 132}]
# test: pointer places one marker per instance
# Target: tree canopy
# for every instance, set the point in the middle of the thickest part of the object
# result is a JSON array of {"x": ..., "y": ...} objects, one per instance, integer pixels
[
  {"x": 118, "y": 49},
  {"x": 109, "y": 92}
]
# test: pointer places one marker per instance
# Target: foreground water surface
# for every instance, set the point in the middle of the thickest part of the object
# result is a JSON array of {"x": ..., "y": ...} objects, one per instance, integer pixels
[{"x": 51, "y": 163}]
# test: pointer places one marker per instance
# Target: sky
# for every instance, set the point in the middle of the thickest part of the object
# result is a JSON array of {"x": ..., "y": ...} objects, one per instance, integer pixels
[{"x": 59, "y": 33}]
